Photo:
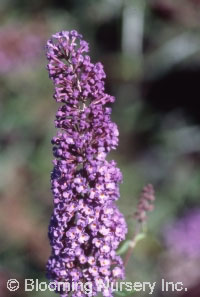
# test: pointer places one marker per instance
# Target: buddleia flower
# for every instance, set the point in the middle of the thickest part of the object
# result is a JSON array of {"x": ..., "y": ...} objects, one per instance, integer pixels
[{"x": 86, "y": 226}]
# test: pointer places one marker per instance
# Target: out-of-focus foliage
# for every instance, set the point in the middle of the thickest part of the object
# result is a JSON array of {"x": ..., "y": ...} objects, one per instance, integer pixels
[{"x": 151, "y": 53}]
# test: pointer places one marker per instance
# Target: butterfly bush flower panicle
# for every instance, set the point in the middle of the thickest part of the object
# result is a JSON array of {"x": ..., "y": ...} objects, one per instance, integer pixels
[
  {"x": 145, "y": 203},
  {"x": 86, "y": 226}
]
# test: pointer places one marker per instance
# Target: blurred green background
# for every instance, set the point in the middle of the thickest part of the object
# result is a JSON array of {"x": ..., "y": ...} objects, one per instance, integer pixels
[{"x": 151, "y": 54}]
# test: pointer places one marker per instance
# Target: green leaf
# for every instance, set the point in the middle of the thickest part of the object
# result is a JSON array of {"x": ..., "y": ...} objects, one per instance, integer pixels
[
  {"x": 139, "y": 237},
  {"x": 124, "y": 247},
  {"x": 130, "y": 243}
]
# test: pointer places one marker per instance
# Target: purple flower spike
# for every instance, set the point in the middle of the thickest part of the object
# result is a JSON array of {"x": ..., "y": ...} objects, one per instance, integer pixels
[{"x": 86, "y": 226}]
